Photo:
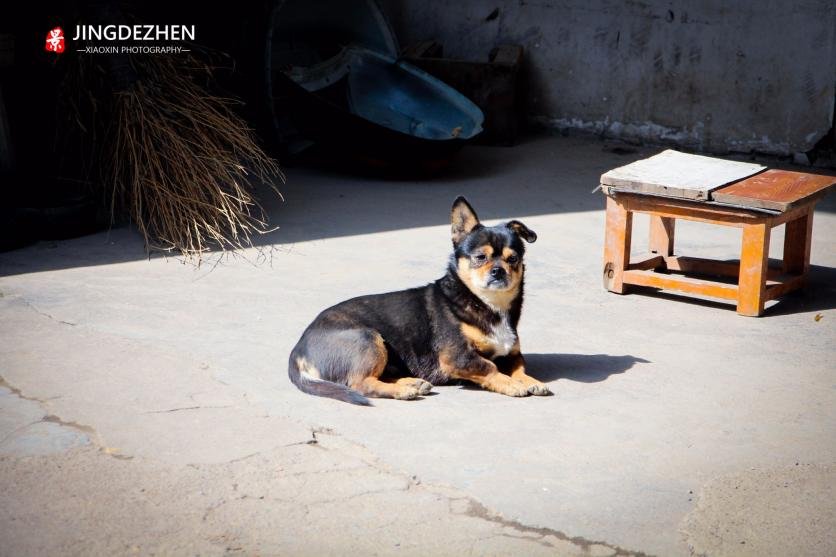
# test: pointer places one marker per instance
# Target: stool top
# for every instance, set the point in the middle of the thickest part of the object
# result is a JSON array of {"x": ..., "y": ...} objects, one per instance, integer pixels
[
  {"x": 716, "y": 181},
  {"x": 778, "y": 190},
  {"x": 680, "y": 175}
]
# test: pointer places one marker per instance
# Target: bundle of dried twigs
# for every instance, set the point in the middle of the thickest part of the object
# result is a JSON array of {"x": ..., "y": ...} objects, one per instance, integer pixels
[{"x": 182, "y": 163}]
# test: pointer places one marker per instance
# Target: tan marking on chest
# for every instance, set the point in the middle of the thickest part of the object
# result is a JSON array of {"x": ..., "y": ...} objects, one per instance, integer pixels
[{"x": 500, "y": 340}]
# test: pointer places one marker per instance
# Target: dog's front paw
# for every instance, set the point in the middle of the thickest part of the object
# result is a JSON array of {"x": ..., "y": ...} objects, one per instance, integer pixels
[
  {"x": 539, "y": 389},
  {"x": 424, "y": 387},
  {"x": 407, "y": 393},
  {"x": 515, "y": 388}
]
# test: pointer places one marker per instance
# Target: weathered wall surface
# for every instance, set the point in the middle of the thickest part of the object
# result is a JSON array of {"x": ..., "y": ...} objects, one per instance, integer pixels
[{"x": 717, "y": 76}]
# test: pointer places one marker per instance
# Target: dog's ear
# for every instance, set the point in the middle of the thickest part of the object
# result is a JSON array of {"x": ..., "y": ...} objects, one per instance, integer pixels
[
  {"x": 463, "y": 219},
  {"x": 522, "y": 231}
]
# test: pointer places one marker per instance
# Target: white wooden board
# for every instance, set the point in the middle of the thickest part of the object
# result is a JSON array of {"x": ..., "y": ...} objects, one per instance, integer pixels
[{"x": 675, "y": 174}]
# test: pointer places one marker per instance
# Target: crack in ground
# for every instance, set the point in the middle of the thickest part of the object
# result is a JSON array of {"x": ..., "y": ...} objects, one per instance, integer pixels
[
  {"x": 325, "y": 471},
  {"x": 242, "y": 458},
  {"x": 91, "y": 433},
  {"x": 45, "y": 314},
  {"x": 53, "y": 419},
  {"x": 476, "y": 509},
  {"x": 18, "y": 393},
  {"x": 185, "y": 408},
  {"x": 333, "y": 500},
  {"x": 528, "y": 538},
  {"x": 313, "y": 440}
]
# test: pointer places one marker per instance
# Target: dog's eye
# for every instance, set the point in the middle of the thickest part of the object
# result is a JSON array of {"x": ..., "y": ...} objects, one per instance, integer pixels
[
  {"x": 480, "y": 257},
  {"x": 513, "y": 259}
]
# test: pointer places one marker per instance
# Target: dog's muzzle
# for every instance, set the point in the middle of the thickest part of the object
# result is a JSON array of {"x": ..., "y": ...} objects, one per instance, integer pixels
[{"x": 498, "y": 278}]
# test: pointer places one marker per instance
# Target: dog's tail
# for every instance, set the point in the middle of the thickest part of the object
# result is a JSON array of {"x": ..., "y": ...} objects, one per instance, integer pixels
[{"x": 319, "y": 387}]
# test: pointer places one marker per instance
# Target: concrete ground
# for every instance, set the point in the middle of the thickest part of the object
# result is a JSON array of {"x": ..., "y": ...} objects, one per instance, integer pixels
[{"x": 145, "y": 406}]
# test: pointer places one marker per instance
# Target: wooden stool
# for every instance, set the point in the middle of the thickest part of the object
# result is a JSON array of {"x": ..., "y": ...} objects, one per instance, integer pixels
[{"x": 791, "y": 195}]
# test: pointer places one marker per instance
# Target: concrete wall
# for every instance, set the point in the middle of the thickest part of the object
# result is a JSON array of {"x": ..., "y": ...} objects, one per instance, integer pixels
[{"x": 717, "y": 76}]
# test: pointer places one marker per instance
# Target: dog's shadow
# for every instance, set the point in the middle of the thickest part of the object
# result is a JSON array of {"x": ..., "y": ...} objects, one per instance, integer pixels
[{"x": 585, "y": 368}]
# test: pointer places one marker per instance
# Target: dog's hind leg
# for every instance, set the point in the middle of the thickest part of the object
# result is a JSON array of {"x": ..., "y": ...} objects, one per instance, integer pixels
[
  {"x": 367, "y": 363},
  {"x": 372, "y": 386}
]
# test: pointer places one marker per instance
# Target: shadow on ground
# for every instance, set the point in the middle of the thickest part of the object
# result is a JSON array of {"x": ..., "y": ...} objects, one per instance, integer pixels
[
  {"x": 584, "y": 368},
  {"x": 542, "y": 175}
]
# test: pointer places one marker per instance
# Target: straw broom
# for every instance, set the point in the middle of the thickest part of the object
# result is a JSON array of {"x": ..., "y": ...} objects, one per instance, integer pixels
[
  {"x": 163, "y": 149},
  {"x": 181, "y": 161}
]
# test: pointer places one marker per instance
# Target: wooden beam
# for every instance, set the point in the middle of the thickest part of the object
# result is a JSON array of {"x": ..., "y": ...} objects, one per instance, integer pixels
[
  {"x": 798, "y": 239},
  {"x": 646, "y": 264},
  {"x": 692, "y": 211},
  {"x": 699, "y": 266},
  {"x": 754, "y": 257},
  {"x": 681, "y": 283},
  {"x": 784, "y": 285},
  {"x": 661, "y": 235},
  {"x": 617, "y": 244}
]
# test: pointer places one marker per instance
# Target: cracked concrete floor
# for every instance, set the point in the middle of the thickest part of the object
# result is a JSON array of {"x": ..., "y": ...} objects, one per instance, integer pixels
[{"x": 144, "y": 405}]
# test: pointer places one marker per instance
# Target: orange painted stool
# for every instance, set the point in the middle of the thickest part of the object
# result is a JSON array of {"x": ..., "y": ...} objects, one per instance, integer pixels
[{"x": 756, "y": 205}]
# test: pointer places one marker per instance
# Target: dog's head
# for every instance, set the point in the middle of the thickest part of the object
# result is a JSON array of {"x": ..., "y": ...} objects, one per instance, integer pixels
[{"x": 489, "y": 260}]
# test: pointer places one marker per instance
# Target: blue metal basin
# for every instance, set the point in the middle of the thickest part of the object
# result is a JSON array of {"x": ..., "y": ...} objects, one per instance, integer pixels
[{"x": 336, "y": 79}]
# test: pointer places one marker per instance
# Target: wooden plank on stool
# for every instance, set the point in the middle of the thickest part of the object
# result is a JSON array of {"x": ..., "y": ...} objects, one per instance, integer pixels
[
  {"x": 774, "y": 189},
  {"x": 675, "y": 174}
]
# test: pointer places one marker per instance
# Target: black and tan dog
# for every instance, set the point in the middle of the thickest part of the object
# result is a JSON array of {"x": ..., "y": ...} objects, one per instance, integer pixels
[{"x": 400, "y": 344}]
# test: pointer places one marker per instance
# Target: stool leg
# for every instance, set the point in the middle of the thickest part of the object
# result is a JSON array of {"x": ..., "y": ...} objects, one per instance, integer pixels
[
  {"x": 754, "y": 258},
  {"x": 797, "y": 241},
  {"x": 617, "y": 244},
  {"x": 661, "y": 235}
]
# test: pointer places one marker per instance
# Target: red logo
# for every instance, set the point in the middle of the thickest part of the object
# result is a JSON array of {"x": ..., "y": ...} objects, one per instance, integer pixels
[{"x": 55, "y": 41}]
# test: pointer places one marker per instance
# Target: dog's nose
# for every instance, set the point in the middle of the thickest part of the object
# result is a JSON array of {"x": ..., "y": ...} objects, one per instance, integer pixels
[{"x": 497, "y": 272}]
